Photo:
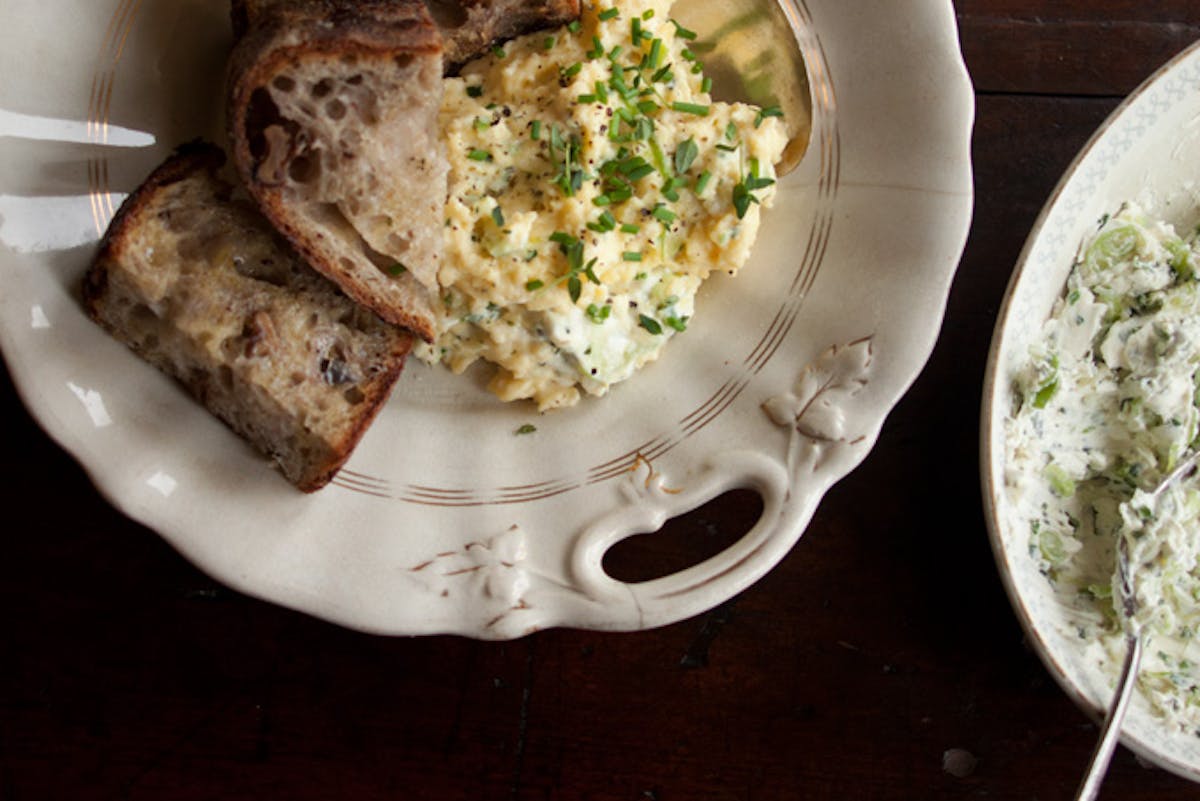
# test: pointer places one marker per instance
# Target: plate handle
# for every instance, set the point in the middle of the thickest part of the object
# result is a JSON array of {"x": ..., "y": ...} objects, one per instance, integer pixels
[{"x": 631, "y": 606}]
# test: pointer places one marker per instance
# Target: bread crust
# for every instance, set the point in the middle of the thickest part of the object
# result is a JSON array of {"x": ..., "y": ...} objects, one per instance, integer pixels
[
  {"x": 288, "y": 397},
  {"x": 470, "y": 28}
]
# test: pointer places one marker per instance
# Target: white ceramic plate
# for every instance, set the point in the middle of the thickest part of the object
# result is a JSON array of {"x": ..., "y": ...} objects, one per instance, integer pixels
[
  {"x": 1146, "y": 151},
  {"x": 445, "y": 520}
]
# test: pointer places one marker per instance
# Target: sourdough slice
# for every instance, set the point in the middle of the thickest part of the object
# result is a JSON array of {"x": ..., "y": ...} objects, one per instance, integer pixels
[
  {"x": 195, "y": 281},
  {"x": 470, "y": 28},
  {"x": 333, "y": 108}
]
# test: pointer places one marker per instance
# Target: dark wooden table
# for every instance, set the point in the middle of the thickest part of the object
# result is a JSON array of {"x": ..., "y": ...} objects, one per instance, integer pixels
[{"x": 882, "y": 642}]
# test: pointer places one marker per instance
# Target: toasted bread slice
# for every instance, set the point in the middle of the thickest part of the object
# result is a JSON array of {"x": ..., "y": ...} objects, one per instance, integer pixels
[
  {"x": 195, "y": 281},
  {"x": 470, "y": 28},
  {"x": 333, "y": 108}
]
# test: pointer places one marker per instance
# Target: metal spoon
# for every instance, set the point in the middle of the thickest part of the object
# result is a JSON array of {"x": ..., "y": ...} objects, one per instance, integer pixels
[
  {"x": 751, "y": 50},
  {"x": 1110, "y": 732}
]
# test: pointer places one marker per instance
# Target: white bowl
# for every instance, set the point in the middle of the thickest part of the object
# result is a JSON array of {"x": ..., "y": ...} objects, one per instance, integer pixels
[{"x": 1145, "y": 152}]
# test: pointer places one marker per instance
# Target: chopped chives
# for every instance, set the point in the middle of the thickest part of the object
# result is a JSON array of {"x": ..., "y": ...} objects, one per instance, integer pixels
[
  {"x": 587, "y": 98},
  {"x": 604, "y": 224},
  {"x": 706, "y": 85},
  {"x": 639, "y": 172},
  {"x": 682, "y": 32},
  {"x": 498, "y": 216},
  {"x": 635, "y": 31},
  {"x": 534, "y": 285},
  {"x": 670, "y": 187},
  {"x": 573, "y": 70},
  {"x": 479, "y": 155},
  {"x": 656, "y": 53},
  {"x": 535, "y": 130},
  {"x": 574, "y": 26},
  {"x": 549, "y": 42},
  {"x": 648, "y": 14},
  {"x": 769, "y": 111},
  {"x": 609, "y": 13},
  {"x": 620, "y": 194},
  {"x": 650, "y": 324},
  {"x": 631, "y": 255},
  {"x": 602, "y": 200},
  {"x": 663, "y": 214},
  {"x": 630, "y": 228},
  {"x": 702, "y": 182},
  {"x": 690, "y": 108},
  {"x": 498, "y": 52}
]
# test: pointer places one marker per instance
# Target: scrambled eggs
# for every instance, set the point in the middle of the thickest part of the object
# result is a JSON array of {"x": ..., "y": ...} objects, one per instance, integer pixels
[{"x": 594, "y": 184}]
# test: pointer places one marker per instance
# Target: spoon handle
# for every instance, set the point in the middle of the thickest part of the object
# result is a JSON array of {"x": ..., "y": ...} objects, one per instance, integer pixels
[{"x": 1110, "y": 734}]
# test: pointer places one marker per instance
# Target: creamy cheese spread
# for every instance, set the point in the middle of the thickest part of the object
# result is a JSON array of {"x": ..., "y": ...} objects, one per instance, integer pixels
[
  {"x": 594, "y": 184},
  {"x": 1105, "y": 408}
]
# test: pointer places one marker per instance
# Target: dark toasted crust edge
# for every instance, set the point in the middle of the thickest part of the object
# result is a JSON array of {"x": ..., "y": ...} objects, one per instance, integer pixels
[{"x": 489, "y": 22}]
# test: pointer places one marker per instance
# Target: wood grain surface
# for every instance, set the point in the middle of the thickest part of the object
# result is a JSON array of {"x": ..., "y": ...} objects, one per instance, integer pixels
[{"x": 882, "y": 644}]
